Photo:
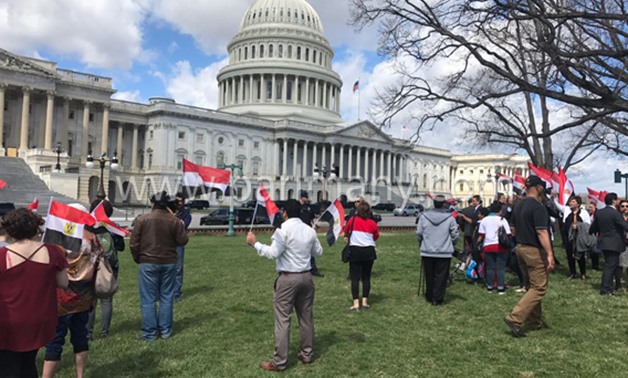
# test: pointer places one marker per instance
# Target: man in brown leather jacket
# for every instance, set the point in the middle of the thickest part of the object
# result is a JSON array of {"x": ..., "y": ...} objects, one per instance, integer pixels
[{"x": 154, "y": 242}]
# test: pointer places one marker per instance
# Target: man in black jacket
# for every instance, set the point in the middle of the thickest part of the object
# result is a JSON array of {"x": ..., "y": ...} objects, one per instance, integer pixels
[{"x": 610, "y": 228}]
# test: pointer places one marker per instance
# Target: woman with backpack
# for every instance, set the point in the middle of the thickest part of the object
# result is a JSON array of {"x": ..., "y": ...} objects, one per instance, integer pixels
[{"x": 495, "y": 250}]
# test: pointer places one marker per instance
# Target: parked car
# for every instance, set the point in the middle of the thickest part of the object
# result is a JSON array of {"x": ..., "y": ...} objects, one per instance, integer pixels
[
  {"x": 384, "y": 206},
  {"x": 376, "y": 217},
  {"x": 411, "y": 209},
  {"x": 198, "y": 204},
  {"x": 221, "y": 217}
]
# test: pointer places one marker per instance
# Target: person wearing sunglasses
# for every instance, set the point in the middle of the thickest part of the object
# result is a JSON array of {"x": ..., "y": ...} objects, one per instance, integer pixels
[{"x": 610, "y": 227}]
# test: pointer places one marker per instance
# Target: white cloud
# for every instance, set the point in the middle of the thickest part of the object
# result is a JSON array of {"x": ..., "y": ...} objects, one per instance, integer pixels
[
  {"x": 99, "y": 33},
  {"x": 133, "y": 96},
  {"x": 197, "y": 87}
]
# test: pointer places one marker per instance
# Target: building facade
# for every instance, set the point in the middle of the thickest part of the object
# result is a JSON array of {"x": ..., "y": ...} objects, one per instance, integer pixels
[{"x": 278, "y": 116}]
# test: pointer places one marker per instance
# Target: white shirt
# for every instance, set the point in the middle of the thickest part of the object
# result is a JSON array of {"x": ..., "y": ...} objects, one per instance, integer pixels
[
  {"x": 292, "y": 245},
  {"x": 489, "y": 227}
]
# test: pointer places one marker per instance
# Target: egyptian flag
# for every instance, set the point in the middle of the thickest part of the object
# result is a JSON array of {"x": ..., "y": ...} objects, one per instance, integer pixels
[
  {"x": 33, "y": 205},
  {"x": 518, "y": 183},
  {"x": 545, "y": 175},
  {"x": 263, "y": 199},
  {"x": 198, "y": 175},
  {"x": 2, "y": 184},
  {"x": 335, "y": 216},
  {"x": 598, "y": 198},
  {"x": 429, "y": 195},
  {"x": 65, "y": 224},
  {"x": 102, "y": 220},
  {"x": 565, "y": 187}
]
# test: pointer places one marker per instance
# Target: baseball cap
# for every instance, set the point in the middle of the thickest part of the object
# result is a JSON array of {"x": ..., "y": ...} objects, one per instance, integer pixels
[
  {"x": 440, "y": 198},
  {"x": 304, "y": 194},
  {"x": 534, "y": 181}
]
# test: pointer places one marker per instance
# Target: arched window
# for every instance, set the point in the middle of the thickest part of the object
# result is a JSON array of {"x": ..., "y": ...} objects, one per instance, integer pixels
[
  {"x": 299, "y": 53},
  {"x": 220, "y": 158},
  {"x": 289, "y": 91},
  {"x": 239, "y": 55},
  {"x": 246, "y": 53},
  {"x": 261, "y": 51},
  {"x": 280, "y": 51},
  {"x": 313, "y": 56},
  {"x": 270, "y": 51},
  {"x": 252, "y": 52},
  {"x": 290, "y": 52},
  {"x": 307, "y": 54}
]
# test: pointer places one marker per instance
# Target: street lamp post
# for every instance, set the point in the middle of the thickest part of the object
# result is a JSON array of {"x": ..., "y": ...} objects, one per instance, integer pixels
[
  {"x": 113, "y": 163},
  {"x": 618, "y": 176},
  {"x": 324, "y": 172},
  {"x": 58, "y": 150},
  {"x": 496, "y": 177},
  {"x": 231, "y": 231}
]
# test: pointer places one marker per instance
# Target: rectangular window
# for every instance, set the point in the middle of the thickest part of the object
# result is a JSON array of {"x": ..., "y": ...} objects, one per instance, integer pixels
[
  {"x": 198, "y": 160},
  {"x": 200, "y": 138},
  {"x": 91, "y": 117},
  {"x": 462, "y": 187},
  {"x": 150, "y": 161},
  {"x": 180, "y": 158},
  {"x": 150, "y": 134},
  {"x": 181, "y": 134},
  {"x": 240, "y": 142},
  {"x": 461, "y": 172},
  {"x": 481, "y": 171},
  {"x": 256, "y": 145},
  {"x": 71, "y": 115},
  {"x": 255, "y": 168}
]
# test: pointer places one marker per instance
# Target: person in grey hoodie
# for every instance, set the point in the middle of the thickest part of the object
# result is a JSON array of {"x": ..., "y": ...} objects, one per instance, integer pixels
[{"x": 437, "y": 233}]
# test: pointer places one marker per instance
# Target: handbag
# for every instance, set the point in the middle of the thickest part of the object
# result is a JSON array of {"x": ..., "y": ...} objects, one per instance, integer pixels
[
  {"x": 502, "y": 237},
  {"x": 346, "y": 251},
  {"x": 105, "y": 284}
]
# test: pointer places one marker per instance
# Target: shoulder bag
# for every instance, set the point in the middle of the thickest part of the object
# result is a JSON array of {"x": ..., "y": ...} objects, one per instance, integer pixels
[
  {"x": 105, "y": 284},
  {"x": 346, "y": 251},
  {"x": 502, "y": 236}
]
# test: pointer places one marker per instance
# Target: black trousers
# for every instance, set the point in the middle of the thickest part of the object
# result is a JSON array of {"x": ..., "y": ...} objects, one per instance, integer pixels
[
  {"x": 436, "y": 274},
  {"x": 571, "y": 260},
  {"x": 313, "y": 266},
  {"x": 360, "y": 270},
  {"x": 611, "y": 262},
  {"x": 18, "y": 364}
]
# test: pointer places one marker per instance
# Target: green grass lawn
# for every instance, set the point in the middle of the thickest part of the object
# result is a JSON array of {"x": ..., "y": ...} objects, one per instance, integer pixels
[{"x": 224, "y": 326}]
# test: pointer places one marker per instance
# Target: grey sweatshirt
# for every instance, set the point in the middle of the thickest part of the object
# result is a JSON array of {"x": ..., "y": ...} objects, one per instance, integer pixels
[{"x": 437, "y": 233}]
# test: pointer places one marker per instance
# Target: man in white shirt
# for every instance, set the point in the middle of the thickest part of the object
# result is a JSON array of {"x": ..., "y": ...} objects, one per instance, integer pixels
[{"x": 293, "y": 245}]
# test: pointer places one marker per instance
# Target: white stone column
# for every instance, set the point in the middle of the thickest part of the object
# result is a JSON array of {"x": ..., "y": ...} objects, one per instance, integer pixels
[
  {"x": 381, "y": 163},
  {"x": 104, "y": 145},
  {"x": 295, "y": 154},
  {"x": 305, "y": 172},
  {"x": 276, "y": 160},
  {"x": 367, "y": 176},
  {"x": 50, "y": 104},
  {"x": 389, "y": 167},
  {"x": 307, "y": 91},
  {"x": 324, "y": 156},
  {"x": 241, "y": 97},
  {"x": 251, "y": 88},
  {"x": 2, "y": 90},
  {"x": 284, "y": 167},
  {"x": 332, "y": 157},
  {"x": 338, "y": 93},
  {"x": 341, "y": 169},
  {"x": 358, "y": 171},
  {"x": 62, "y": 134},
  {"x": 119, "y": 142},
  {"x": 374, "y": 166},
  {"x": 284, "y": 89},
  {"x": 85, "y": 133},
  {"x": 350, "y": 165},
  {"x": 134, "y": 148},
  {"x": 26, "y": 101},
  {"x": 314, "y": 157},
  {"x": 220, "y": 94}
]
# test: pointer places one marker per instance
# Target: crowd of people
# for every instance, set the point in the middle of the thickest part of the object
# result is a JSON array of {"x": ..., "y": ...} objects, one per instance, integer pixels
[{"x": 52, "y": 289}]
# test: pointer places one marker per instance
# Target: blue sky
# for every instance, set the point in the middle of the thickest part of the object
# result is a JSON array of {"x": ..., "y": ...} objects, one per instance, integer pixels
[{"x": 175, "y": 49}]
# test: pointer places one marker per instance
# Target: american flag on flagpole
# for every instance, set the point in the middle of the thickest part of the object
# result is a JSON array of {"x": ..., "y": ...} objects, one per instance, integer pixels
[{"x": 356, "y": 86}]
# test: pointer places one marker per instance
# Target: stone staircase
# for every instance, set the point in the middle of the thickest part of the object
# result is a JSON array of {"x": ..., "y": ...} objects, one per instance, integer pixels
[{"x": 23, "y": 186}]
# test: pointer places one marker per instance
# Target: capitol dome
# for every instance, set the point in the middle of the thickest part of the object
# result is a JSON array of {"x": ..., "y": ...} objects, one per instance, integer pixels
[{"x": 280, "y": 66}]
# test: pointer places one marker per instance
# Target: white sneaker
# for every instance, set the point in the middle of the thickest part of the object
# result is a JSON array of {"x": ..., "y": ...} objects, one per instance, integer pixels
[{"x": 521, "y": 290}]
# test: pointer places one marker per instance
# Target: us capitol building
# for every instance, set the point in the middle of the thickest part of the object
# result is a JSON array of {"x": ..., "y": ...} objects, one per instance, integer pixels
[{"x": 278, "y": 115}]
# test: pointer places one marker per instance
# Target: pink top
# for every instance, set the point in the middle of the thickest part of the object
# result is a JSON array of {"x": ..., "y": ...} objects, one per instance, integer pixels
[{"x": 28, "y": 300}]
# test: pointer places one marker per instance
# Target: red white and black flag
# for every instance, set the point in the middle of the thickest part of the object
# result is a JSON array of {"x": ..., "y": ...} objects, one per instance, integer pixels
[
  {"x": 199, "y": 176},
  {"x": 263, "y": 199},
  {"x": 102, "y": 220},
  {"x": 335, "y": 216},
  {"x": 65, "y": 225}
]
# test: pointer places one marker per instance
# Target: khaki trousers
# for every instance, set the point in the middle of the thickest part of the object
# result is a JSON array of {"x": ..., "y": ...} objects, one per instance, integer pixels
[
  {"x": 533, "y": 262},
  {"x": 293, "y": 291}
]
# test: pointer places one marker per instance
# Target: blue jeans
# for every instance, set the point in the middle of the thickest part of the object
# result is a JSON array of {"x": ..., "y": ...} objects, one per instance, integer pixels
[
  {"x": 77, "y": 325},
  {"x": 179, "y": 283},
  {"x": 495, "y": 263},
  {"x": 157, "y": 284}
]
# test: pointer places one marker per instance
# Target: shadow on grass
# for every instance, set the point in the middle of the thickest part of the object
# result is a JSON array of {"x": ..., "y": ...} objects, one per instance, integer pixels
[{"x": 145, "y": 361}]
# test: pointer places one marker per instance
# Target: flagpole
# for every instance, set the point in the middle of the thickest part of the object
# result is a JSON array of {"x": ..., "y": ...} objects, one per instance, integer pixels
[
  {"x": 254, "y": 214},
  {"x": 359, "y": 94},
  {"x": 47, "y": 215}
]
